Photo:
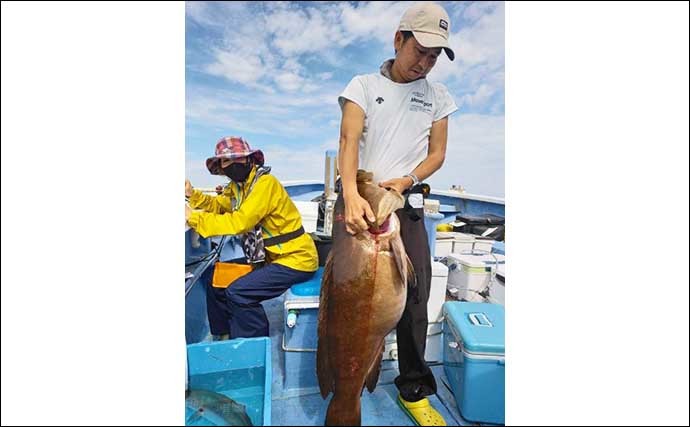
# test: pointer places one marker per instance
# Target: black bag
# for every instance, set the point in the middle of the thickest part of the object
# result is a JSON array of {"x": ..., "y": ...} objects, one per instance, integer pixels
[
  {"x": 323, "y": 247},
  {"x": 487, "y": 225}
]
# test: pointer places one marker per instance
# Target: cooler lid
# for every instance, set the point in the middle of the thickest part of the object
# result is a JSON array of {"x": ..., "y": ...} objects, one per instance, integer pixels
[
  {"x": 477, "y": 259},
  {"x": 311, "y": 287},
  {"x": 442, "y": 235},
  {"x": 455, "y": 235},
  {"x": 480, "y": 326},
  {"x": 464, "y": 237}
]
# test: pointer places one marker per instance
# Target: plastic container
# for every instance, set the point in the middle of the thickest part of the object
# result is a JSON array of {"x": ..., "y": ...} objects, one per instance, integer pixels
[
  {"x": 300, "y": 336},
  {"x": 469, "y": 274},
  {"x": 437, "y": 295},
  {"x": 474, "y": 359},
  {"x": 239, "y": 369},
  {"x": 448, "y": 242}
]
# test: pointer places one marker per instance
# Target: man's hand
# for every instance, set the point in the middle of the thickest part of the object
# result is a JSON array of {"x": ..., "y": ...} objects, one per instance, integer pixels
[
  {"x": 356, "y": 208},
  {"x": 188, "y": 189},
  {"x": 400, "y": 184}
]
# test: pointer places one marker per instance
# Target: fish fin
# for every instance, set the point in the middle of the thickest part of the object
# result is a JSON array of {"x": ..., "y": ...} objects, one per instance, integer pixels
[
  {"x": 374, "y": 371},
  {"x": 323, "y": 366},
  {"x": 411, "y": 276},
  {"x": 364, "y": 176},
  {"x": 402, "y": 261},
  {"x": 389, "y": 203}
]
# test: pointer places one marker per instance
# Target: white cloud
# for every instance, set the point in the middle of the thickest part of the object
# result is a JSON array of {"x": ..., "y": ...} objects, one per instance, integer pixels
[
  {"x": 199, "y": 12},
  {"x": 265, "y": 113},
  {"x": 214, "y": 14},
  {"x": 479, "y": 98},
  {"x": 236, "y": 67},
  {"x": 377, "y": 20},
  {"x": 289, "y": 82},
  {"x": 274, "y": 53},
  {"x": 310, "y": 87},
  {"x": 478, "y": 9},
  {"x": 479, "y": 48},
  {"x": 484, "y": 41},
  {"x": 257, "y": 41},
  {"x": 474, "y": 156},
  {"x": 263, "y": 50},
  {"x": 292, "y": 64},
  {"x": 300, "y": 31}
]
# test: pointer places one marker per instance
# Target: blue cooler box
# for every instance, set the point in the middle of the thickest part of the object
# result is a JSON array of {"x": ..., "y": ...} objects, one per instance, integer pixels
[
  {"x": 300, "y": 335},
  {"x": 474, "y": 359}
]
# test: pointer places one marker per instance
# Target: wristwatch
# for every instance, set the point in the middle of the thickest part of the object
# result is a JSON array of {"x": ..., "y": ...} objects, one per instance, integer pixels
[{"x": 415, "y": 180}]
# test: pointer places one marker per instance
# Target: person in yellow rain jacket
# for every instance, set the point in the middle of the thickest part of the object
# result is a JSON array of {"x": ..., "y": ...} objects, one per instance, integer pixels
[{"x": 256, "y": 206}]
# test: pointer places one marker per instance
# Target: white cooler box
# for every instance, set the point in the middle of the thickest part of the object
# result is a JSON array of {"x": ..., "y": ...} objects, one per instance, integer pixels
[
  {"x": 437, "y": 296},
  {"x": 497, "y": 291},
  {"x": 448, "y": 242},
  {"x": 469, "y": 274}
]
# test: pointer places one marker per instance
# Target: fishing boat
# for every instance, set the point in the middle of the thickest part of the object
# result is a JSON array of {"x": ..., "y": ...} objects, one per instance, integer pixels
[{"x": 274, "y": 377}]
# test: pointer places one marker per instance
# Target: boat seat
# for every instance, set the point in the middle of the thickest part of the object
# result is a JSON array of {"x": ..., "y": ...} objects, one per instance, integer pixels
[{"x": 311, "y": 287}]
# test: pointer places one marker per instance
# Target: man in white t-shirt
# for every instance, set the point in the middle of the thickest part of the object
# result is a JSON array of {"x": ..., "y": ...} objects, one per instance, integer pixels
[{"x": 395, "y": 124}]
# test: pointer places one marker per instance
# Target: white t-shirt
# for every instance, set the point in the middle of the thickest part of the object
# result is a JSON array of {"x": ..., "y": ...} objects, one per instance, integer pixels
[{"x": 397, "y": 122}]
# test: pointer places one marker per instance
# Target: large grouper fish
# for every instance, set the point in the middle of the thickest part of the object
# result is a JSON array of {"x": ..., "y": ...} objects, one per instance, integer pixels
[{"x": 363, "y": 295}]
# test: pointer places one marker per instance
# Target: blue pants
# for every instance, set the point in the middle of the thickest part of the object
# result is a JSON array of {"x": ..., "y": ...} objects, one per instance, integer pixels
[{"x": 237, "y": 310}]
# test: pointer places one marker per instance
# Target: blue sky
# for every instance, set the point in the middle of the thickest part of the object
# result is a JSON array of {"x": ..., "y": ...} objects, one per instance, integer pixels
[{"x": 271, "y": 72}]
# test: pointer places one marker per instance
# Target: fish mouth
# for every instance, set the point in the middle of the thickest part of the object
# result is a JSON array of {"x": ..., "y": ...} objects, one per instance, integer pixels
[{"x": 383, "y": 228}]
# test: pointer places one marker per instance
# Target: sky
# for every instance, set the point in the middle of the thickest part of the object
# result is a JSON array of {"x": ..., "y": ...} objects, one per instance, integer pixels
[{"x": 271, "y": 72}]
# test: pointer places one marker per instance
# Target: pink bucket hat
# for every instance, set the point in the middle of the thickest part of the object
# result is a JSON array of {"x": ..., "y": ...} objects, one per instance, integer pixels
[{"x": 232, "y": 147}]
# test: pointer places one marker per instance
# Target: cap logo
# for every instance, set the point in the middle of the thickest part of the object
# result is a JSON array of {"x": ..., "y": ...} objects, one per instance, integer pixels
[{"x": 443, "y": 24}]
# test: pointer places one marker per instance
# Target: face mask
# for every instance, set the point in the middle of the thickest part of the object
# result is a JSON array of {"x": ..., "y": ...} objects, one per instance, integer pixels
[{"x": 238, "y": 172}]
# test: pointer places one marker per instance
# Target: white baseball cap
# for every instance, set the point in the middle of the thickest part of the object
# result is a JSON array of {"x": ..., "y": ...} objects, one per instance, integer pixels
[{"x": 429, "y": 24}]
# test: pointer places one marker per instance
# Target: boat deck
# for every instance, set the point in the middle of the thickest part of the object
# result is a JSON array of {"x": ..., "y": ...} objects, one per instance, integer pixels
[{"x": 306, "y": 407}]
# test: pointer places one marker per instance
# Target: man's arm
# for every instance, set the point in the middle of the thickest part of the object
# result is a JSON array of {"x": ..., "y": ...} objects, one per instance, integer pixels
[
  {"x": 198, "y": 200},
  {"x": 348, "y": 161},
  {"x": 436, "y": 154},
  {"x": 438, "y": 140}
]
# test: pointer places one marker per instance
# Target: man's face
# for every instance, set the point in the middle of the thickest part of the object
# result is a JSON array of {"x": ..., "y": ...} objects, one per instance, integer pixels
[{"x": 413, "y": 60}]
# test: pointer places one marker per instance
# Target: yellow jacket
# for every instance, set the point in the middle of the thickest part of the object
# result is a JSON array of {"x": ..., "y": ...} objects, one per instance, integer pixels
[{"x": 268, "y": 204}]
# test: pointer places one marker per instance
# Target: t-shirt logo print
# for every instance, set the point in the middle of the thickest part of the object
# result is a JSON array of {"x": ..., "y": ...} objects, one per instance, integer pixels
[{"x": 379, "y": 100}]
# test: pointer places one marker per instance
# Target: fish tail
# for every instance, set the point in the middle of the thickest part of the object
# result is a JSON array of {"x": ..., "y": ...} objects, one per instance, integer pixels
[{"x": 344, "y": 410}]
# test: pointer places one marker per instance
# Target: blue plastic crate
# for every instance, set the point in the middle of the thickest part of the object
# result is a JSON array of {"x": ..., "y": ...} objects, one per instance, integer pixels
[{"x": 239, "y": 369}]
